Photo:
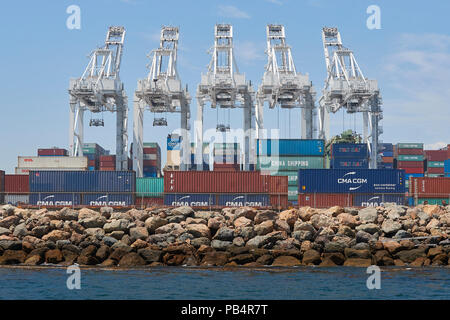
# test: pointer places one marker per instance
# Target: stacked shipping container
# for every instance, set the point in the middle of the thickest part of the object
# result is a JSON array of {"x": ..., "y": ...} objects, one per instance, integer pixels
[
  {"x": 430, "y": 190},
  {"x": 434, "y": 162},
  {"x": 284, "y": 157},
  {"x": 211, "y": 188},
  {"x": 347, "y": 187},
  {"x": 173, "y": 152},
  {"x": 149, "y": 191},
  {"x": 51, "y": 152},
  {"x": 410, "y": 157},
  {"x": 349, "y": 156},
  {"x": 386, "y": 156},
  {"x": 227, "y": 157},
  {"x": 93, "y": 152},
  {"x": 16, "y": 189},
  {"x": 26, "y": 164}
]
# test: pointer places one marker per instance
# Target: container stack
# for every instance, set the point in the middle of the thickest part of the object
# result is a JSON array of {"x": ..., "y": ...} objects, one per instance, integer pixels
[
  {"x": 107, "y": 163},
  {"x": 430, "y": 191},
  {"x": 349, "y": 156},
  {"x": 149, "y": 191},
  {"x": 205, "y": 157},
  {"x": 26, "y": 164},
  {"x": 323, "y": 188},
  {"x": 284, "y": 157},
  {"x": 447, "y": 168},
  {"x": 227, "y": 157},
  {"x": 229, "y": 189},
  {"x": 386, "y": 156},
  {"x": 173, "y": 152},
  {"x": 2, "y": 186},
  {"x": 93, "y": 152},
  {"x": 16, "y": 189},
  {"x": 434, "y": 163},
  {"x": 409, "y": 157},
  {"x": 152, "y": 160},
  {"x": 90, "y": 188},
  {"x": 52, "y": 152}
]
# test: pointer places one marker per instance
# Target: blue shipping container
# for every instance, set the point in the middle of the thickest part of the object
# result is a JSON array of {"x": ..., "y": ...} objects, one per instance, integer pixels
[
  {"x": 149, "y": 174},
  {"x": 385, "y": 166},
  {"x": 55, "y": 199},
  {"x": 349, "y": 150},
  {"x": 351, "y": 181},
  {"x": 192, "y": 200},
  {"x": 347, "y": 163},
  {"x": 447, "y": 166},
  {"x": 108, "y": 200},
  {"x": 387, "y": 154},
  {"x": 290, "y": 147},
  {"x": 240, "y": 200},
  {"x": 386, "y": 147},
  {"x": 375, "y": 200},
  {"x": 414, "y": 175},
  {"x": 82, "y": 181}
]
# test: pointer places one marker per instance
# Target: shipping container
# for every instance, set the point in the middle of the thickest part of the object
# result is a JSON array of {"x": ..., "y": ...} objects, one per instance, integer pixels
[
  {"x": 436, "y": 170},
  {"x": 173, "y": 157},
  {"x": 279, "y": 201},
  {"x": 221, "y": 167},
  {"x": 217, "y": 182},
  {"x": 349, "y": 150},
  {"x": 240, "y": 200},
  {"x": 155, "y": 151},
  {"x": 16, "y": 183},
  {"x": 292, "y": 193},
  {"x": 409, "y": 164},
  {"x": 410, "y": 146},
  {"x": 290, "y": 147},
  {"x": 435, "y": 175},
  {"x": 55, "y": 199},
  {"x": 2, "y": 186},
  {"x": 386, "y": 147},
  {"x": 351, "y": 180},
  {"x": 108, "y": 199},
  {"x": 52, "y": 162},
  {"x": 387, "y": 154},
  {"x": 385, "y": 165},
  {"x": 429, "y": 187},
  {"x": 227, "y": 159},
  {"x": 414, "y": 170},
  {"x": 288, "y": 163},
  {"x": 325, "y": 200},
  {"x": 438, "y": 201},
  {"x": 376, "y": 200},
  {"x": 413, "y": 175},
  {"x": 410, "y": 158},
  {"x": 346, "y": 163},
  {"x": 292, "y": 176},
  {"x": 227, "y": 152},
  {"x": 191, "y": 200},
  {"x": 26, "y": 171},
  {"x": 150, "y": 187},
  {"x": 435, "y": 164},
  {"x": 150, "y": 156},
  {"x": 436, "y": 155},
  {"x": 409, "y": 152},
  {"x": 173, "y": 142},
  {"x": 147, "y": 202},
  {"x": 387, "y": 159},
  {"x": 17, "y": 199},
  {"x": 52, "y": 152},
  {"x": 447, "y": 166},
  {"x": 82, "y": 181},
  {"x": 110, "y": 158}
]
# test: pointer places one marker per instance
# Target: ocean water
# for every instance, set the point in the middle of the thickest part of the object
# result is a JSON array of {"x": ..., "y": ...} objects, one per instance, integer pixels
[{"x": 218, "y": 283}]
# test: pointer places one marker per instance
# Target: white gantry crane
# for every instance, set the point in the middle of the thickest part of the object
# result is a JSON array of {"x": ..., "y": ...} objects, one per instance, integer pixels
[
  {"x": 162, "y": 92},
  {"x": 283, "y": 86},
  {"x": 99, "y": 89},
  {"x": 224, "y": 87},
  {"x": 346, "y": 87}
]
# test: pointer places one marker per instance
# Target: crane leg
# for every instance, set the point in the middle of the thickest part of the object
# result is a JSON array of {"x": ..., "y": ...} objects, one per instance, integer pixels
[
  {"x": 138, "y": 144},
  {"x": 199, "y": 137}
]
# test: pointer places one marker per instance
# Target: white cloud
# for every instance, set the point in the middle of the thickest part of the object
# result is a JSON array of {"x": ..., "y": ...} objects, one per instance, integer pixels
[
  {"x": 232, "y": 12},
  {"x": 248, "y": 52},
  {"x": 275, "y": 2}
]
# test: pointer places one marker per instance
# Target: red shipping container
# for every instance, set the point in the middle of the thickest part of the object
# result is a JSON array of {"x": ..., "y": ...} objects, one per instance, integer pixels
[
  {"x": 217, "y": 182},
  {"x": 414, "y": 170},
  {"x": 388, "y": 159},
  {"x": 17, "y": 183},
  {"x": 279, "y": 201},
  {"x": 151, "y": 151},
  {"x": 410, "y": 151},
  {"x": 429, "y": 187},
  {"x": 409, "y": 164},
  {"x": 325, "y": 200},
  {"x": 149, "y": 202},
  {"x": 435, "y": 170},
  {"x": 52, "y": 152},
  {"x": 278, "y": 184},
  {"x": 151, "y": 163},
  {"x": 107, "y": 163},
  {"x": 227, "y": 167},
  {"x": 108, "y": 158},
  {"x": 436, "y": 155},
  {"x": 107, "y": 169},
  {"x": 448, "y": 151},
  {"x": 2, "y": 183}
]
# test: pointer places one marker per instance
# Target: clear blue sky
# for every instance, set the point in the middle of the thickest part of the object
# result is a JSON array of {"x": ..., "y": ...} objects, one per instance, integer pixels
[{"x": 409, "y": 56}]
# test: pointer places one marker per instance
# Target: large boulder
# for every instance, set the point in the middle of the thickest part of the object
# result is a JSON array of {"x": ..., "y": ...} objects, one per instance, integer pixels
[
  {"x": 409, "y": 256},
  {"x": 390, "y": 227},
  {"x": 68, "y": 214},
  {"x": 131, "y": 259},
  {"x": 247, "y": 212},
  {"x": 150, "y": 255},
  {"x": 184, "y": 211},
  {"x": 321, "y": 221},
  {"x": 358, "y": 262},
  {"x": 368, "y": 227},
  {"x": 20, "y": 230},
  {"x": 198, "y": 230},
  {"x": 9, "y": 221},
  {"x": 93, "y": 221},
  {"x": 154, "y": 223},
  {"x": 286, "y": 261},
  {"x": 56, "y": 235},
  {"x": 54, "y": 256},
  {"x": 220, "y": 245},
  {"x": 174, "y": 229},
  {"x": 224, "y": 234},
  {"x": 368, "y": 215},
  {"x": 311, "y": 257},
  {"x": 138, "y": 233},
  {"x": 347, "y": 219},
  {"x": 116, "y": 225},
  {"x": 13, "y": 257},
  {"x": 265, "y": 215},
  {"x": 242, "y": 222},
  {"x": 290, "y": 216},
  {"x": 264, "y": 227}
]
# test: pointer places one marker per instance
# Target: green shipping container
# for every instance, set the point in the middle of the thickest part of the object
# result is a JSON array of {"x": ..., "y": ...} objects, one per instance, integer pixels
[
  {"x": 410, "y": 157},
  {"x": 435, "y": 175},
  {"x": 292, "y": 193},
  {"x": 435, "y": 164},
  {"x": 150, "y": 187},
  {"x": 150, "y": 145},
  {"x": 292, "y": 176},
  {"x": 88, "y": 150},
  {"x": 409, "y": 145},
  {"x": 433, "y": 200},
  {"x": 287, "y": 163}
]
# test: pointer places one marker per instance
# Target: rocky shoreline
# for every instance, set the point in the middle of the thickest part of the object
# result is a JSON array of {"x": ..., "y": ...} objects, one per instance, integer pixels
[{"x": 384, "y": 236}]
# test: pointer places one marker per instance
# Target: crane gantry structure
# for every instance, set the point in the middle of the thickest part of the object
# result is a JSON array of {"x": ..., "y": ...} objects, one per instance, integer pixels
[
  {"x": 224, "y": 87},
  {"x": 99, "y": 89},
  {"x": 282, "y": 85},
  {"x": 161, "y": 92},
  {"x": 346, "y": 87}
]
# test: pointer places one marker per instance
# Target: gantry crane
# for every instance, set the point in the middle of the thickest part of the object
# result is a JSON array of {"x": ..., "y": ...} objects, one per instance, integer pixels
[
  {"x": 162, "y": 92},
  {"x": 224, "y": 87},
  {"x": 283, "y": 86},
  {"x": 346, "y": 87},
  {"x": 99, "y": 89}
]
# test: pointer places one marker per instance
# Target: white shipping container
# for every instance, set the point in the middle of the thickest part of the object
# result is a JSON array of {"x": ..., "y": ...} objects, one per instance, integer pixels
[
  {"x": 52, "y": 162},
  {"x": 15, "y": 199},
  {"x": 27, "y": 170}
]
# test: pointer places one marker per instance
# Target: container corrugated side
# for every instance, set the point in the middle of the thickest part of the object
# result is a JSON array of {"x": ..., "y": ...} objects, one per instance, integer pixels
[
  {"x": 292, "y": 193},
  {"x": 108, "y": 199},
  {"x": 292, "y": 176},
  {"x": 349, "y": 150},
  {"x": 52, "y": 162},
  {"x": 436, "y": 155},
  {"x": 82, "y": 181},
  {"x": 438, "y": 201},
  {"x": 16, "y": 183},
  {"x": 290, "y": 147},
  {"x": 410, "y": 157},
  {"x": 240, "y": 200},
  {"x": 288, "y": 163},
  {"x": 409, "y": 152},
  {"x": 325, "y": 200},
  {"x": 436, "y": 170},
  {"x": 150, "y": 187},
  {"x": 435, "y": 164},
  {"x": 447, "y": 166},
  {"x": 351, "y": 180},
  {"x": 409, "y": 164},
  {"x": 191, "y": 200},
  {"x": 347, "y": 163},
  {"x": 26, "y": 171},
  {"x": 410, "y": 145},
  {"x": 375, "y": 200},
  {"x": 55, "y": 199},
  {"x": 429, "y": 187},
  {"x": 148, "y": 202}
]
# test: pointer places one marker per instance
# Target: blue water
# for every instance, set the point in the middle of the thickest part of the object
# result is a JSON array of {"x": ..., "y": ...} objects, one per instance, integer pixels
[{"x": 217, "y": 283}]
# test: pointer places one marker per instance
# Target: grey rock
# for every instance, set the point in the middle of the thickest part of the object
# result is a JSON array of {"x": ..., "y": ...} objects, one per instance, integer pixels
[
  {"x": 116, "y": 225},
  {"x": 246, "y": 233},
  {"x": 401, "y": 234},
  {"x": 334, "y": 246},
  {"x": 109, "y": 241},
  {"x": 302, "y": 235},
  {"x": 183, "y": 237},
  {"x": 390, "y": 226},
  {"x": 300, "y": 225},
  {"x": 176, "y": 219},
  {"x": 106, "y": 212},
  {"x": 20, "y": 230},
  {"x": 362, "y": 236},
  {"x": 184, "y": 211},
  {"x": 220, "y": 245},
  {"x": 361, "y": 246},
  {"x": 238, "y": 242},
  {"x": 197, "y": 242},
  {"x": 95, "y": 232},
  {"x": 138, "y": 233},
  {"x": 154, "y": 223},
  {"x": 224, "y": 234},
  {"x": 117, "y": 234},
  {"x": 423, "y": 216},
  {"x": 368, "y": 215},
  {"x": 368, "y": 227},
  {"x": 4, "y": 231},
  {"x": 68, "y": 214},
  {"x": 61, "y": 243},
  {"x": 93, "y": 222},
  {"x": 10, "y": 244},
  {"x": 150, "y": 255}
]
